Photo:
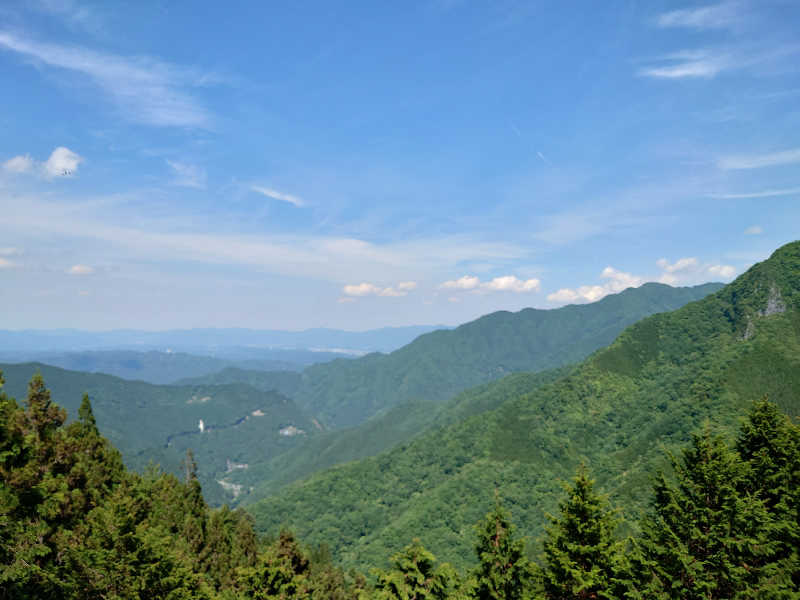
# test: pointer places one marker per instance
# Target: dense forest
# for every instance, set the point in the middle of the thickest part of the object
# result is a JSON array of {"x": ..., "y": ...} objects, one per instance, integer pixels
[{"x": 75, "y": 523}]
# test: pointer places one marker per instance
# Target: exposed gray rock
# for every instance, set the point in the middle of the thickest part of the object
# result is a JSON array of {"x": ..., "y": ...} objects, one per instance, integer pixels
[{"x": 775, "y": 304}]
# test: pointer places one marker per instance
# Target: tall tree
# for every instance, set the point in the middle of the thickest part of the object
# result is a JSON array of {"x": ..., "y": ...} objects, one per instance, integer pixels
[
  {"x": 583, "y": 558},
  {"x": 503, "y": 572},
  {"x": 704, "y": 535},
  {"x": 770, "y": 444},
  {"x": 414, "y": 576}
]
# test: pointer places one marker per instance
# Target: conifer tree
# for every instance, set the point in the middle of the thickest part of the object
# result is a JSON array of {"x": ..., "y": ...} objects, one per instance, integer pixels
[
  {"x": 770, "y": 444},
  {"x": 582, "y": 556},
  {"x": 415, "y": 576},
  {"x": 503, "y": 572},
  {"x": 705, "y": 536},
  {"x": 282, "y": 571}
]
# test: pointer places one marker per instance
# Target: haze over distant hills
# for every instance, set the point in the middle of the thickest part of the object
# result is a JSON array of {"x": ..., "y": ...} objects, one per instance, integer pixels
[
  {"x": 168, "y": 356},
  {"x": 234, "y": 344}
]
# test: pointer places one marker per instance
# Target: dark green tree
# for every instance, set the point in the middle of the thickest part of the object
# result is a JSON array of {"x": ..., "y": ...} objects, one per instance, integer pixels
[
  {"x": 583, "y": 558},
  {"x": 282, "y": 571},
  {"x": 770, "y": 444},
  {"x": 705, "y": 536},
  {"x": 503, "y": 572},
  {"x": 415, "y": 576}
]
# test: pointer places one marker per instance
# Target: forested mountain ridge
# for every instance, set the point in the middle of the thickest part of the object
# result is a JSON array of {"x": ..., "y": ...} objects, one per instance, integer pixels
[
  {"x": 650, "y": 389},
  {"x": 158, "y": 423},
  {"x": 438, "y": 365}
]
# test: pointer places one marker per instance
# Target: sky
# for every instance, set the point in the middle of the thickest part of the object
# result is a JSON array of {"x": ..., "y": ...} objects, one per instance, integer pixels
[{"x": 365, "y": 164}]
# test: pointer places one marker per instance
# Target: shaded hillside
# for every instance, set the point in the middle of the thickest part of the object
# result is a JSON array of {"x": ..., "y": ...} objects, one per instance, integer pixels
[
  {"x": 159, "y": 422},
  {"x": 438, "y": 365},
  {"x": 650, "y": 389},
  {"x": 285, "y": 382}
]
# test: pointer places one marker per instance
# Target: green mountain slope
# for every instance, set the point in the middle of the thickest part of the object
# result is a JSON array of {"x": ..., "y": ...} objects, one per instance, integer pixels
[
  {"x": 650, "y": 389},
  {"x": 285, "y": 382},
  {"x": 159, "y": 422},
  {"x": 395, "y": 425},
  {"x": 438, "y": 365}
]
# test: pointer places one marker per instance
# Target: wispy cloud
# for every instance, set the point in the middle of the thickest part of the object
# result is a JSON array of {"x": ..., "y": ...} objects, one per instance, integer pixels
[
  {"x": 276, "y": 195},
  {"x": 321, "y": 258},
  {"x": 704, "y": 64},
  {"x": 74, "y": 14},
  {"x": 754, "y": 230},
  {"x": 714, "y": 16},
  {"x": 144, "y": 89},
  {"x": 187, "y": 175},
  {"x": 758, "y": 161},
  {"x": 761, "y": 194}
]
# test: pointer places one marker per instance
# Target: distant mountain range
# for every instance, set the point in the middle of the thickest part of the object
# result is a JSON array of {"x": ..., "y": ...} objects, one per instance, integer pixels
[
  {"x": 232, "y": 344},
  {"x": 616, "y": 412},
  {"x": 168, "y": 367},
  {"x": 393, "y": 397}
]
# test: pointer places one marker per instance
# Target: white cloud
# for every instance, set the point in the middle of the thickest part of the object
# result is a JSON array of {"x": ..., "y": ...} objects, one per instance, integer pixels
[
  {"x": 616, "y": 281},
  {"x": 188, "y": 175},
  {"x": 276, "y": 195},
  {"x": 724, "y": 271},
  {"x": 62, "y": 162},
  {"x": 466, "y": 282},
  {"x": 19, "y": 164},
  {"x": 346, "y": 300},
  {"x": 715, "y": 16},
  {"x": 369, "y": 289},
  {"x": 509, "y": 283},
  {"x": 506, "y": 283},
  {"x": 564, "y": 295},
  {"x": 361, "y": 289},
  {"x": 758, "y": 161},
  {"x": 5, "y": 263},
  {"x": 682, "y": 264},
  {"x": 761, "y": 194},
  {"x": 8, "y": 251},
  {"x": 80, "y": 270},
  {"x": 754, "y": 230},
  {"x": 144, "y": 89},
  {"x": 690, "y": 63}
]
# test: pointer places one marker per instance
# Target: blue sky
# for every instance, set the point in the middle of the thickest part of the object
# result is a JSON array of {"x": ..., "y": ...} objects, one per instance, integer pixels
[{"x": 362, "y": 164}]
